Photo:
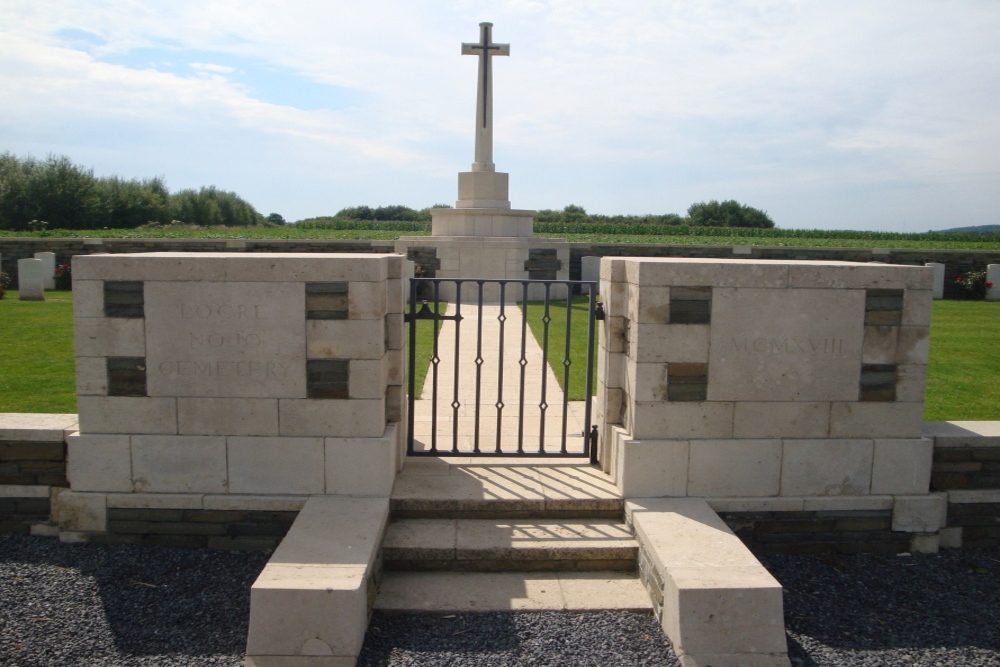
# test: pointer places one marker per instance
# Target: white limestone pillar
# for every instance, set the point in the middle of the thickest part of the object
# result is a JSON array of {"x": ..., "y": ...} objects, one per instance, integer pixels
[
  {"x": 30, "y": 279},
  {"x": 590, "y": 268},
  {"x": 993, "y": 276},
  {"x": 938, "y": 279},
  {"x": 48, "y": 269}
]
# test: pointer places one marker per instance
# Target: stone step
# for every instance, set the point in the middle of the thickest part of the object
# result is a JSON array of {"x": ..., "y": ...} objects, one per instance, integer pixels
[
  {"x": 503, "y": 488},
  {"x": 451, "y": 592},
  {"x": 497, "y": 545}
]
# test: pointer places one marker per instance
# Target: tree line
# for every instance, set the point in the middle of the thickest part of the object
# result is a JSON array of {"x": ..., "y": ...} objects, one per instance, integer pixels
[{"x": 55, "y": 193}]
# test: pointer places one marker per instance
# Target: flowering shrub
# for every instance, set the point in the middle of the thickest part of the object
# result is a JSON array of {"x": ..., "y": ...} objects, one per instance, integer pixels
[
  {"x": 64, "y": 277},
  {"x": 4, "y": 283},
  {"x": 974, "y": 284}
]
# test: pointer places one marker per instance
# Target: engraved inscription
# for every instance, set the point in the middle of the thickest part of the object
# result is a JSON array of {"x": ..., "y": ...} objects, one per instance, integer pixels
[
  {"x": 789, "y": 345},
  {"x": 226, "y": 339}
]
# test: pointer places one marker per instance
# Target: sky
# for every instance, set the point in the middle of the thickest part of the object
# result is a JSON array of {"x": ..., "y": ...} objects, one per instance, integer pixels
[{"x": 873, "y": 114}]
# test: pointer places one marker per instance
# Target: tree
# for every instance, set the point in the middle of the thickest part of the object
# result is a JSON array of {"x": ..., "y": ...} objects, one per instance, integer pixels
[
  {"x": 729, "y": 213},
  {"x": 211, "y": 207},
  {"x": 275, "y": 219}
]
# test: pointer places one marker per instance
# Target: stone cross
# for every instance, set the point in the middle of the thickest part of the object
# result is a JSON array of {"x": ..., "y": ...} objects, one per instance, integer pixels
[{"x": 485, "y": 49}]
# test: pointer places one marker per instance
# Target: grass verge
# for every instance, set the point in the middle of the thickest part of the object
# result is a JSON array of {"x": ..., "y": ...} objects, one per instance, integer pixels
[
  {"x": 964, "y": 365},
  {"x": 37, "y": 363},
  {"x": 578, "y": 315}
]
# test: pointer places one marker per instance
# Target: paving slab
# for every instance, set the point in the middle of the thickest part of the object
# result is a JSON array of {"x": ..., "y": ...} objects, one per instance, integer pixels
[{"x": 447, "y": 592}]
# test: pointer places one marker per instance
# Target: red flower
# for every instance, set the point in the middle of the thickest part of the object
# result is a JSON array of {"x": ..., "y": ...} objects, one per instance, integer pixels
[
  {"x": 989, "y": 284},
  {"x": 959, "y": 279}
]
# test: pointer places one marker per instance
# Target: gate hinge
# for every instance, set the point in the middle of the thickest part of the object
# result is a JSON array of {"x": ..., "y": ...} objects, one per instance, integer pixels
[
  {"x": 599, "y": 311},
  {"x": 425, "y": 313}
]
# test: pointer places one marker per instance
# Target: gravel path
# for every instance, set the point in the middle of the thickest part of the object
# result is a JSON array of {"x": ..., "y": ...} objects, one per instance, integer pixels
[{"x": 83, "y": 604}]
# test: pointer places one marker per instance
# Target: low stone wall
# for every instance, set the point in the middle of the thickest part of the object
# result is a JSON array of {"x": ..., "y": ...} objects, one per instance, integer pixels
[
  {"x": 33, "y": 463},
  {"x": 967, "y": 467},
  {"x": 846, "y": 531},
  {"x": 957, "y": 262},
  {"x": 232, "y": 530}
]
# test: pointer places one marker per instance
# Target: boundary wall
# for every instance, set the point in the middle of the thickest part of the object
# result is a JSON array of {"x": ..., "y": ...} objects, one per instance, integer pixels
[{"x": 956, "y": 262}]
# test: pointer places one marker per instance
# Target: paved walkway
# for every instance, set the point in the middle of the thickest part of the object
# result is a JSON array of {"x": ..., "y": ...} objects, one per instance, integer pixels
[{"x": 494, "y": 402}]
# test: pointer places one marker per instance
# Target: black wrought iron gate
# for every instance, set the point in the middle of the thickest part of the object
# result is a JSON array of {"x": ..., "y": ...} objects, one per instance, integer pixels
[{"x": 469, "y": 406}]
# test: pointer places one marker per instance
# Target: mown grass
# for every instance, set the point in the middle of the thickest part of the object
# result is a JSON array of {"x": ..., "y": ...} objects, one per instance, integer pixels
[
  {"x": 37, "y": 372},
  {"x": 578, "y": 317},
  {"x": 37, "y": 364},
  {"x": 963, "y": 374}
]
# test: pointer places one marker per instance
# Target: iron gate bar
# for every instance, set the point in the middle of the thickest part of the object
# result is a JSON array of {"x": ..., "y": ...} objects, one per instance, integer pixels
[{"x": 595, "y": 313}]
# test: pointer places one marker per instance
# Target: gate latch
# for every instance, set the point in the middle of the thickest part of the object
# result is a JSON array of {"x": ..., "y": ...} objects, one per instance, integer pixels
[{"x": 425, "y": 313}]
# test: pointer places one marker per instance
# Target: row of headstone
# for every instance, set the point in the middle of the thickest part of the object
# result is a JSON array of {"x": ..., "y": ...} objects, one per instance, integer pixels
[{"x": 34, "y": 276}]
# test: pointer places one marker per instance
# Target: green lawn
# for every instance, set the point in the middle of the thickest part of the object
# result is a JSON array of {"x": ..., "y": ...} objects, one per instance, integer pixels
[
  {"x": 37, "y": 365},
  {"x": 578, "y": 315},
  {"x": 963, "y": 374}
]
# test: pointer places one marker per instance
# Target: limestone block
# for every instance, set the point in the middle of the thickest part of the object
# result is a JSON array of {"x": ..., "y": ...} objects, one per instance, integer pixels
[
  {"x": 850, "y": 275},
  {"x": 31, "y": 279},
  {"x": 993, "y": 276},
  {"x": 681, "y": 420},
  {"x": 395, "y": 362},
  {"x": 846, "y": 503},
  {"x": 110, "y": 337},
  {"x": 675, "y": 343},
  {"x": 36, "y": 427},
  {"x": 651, "y": 468},
  {"x": 225, "y": 339},
  {"x": 255, "y": 503},
  {"x": 92, "y": 376},
  {"x": 395, "y": 295},
  {"x": 920, "y": 514},
  {"x": 98, "y": 462},
  {"x": 24, "y": 491},
  {"x": 275, "y": 465},
  {"x": 649, "y": 305},
  {"x": 734, "y": 468},
  {"x": 646, "y": 382},
  {"x": 306, "y": 267},
  {"x": 314, "y": 417},
  {"x": 876, "y": 420},
  {"x": 914, "y": 345},
  {"x": 756, "y": 504},
  {"x": 925, "y": 544},
  {"x": 345, "y": 339},
  {"x": 937, "y": 284},
  {"x": 917, "y": 306},
  {"x": 48, "y": 269},
  {"x": 611, "y": 367},
  {"x": 734, "y": 660},
  {"x": 880, "y": 345},
  {"x": 613, "y": 269},
  {"x": 362, "y": 466},
  {"x": 716, "y": 610},
  {"x": 179, "y": 464},
  {"x": 180, "y": 501},
  {"x": 312, "y": 597},
  {"x": 616, "y": 297},
  {"x": 590, "y": 268},
  {"x": 692, "y": 272},
  {"x": 826, "y": 467},
  {"x": 960, "y": 433},
  {"x": 127, "y": 414},
  {"x": 367, "y": 378},
  {"x": 791, "y": 419},
  {"x": 394, "y": 404},
  {"x": 227, "y": 416},
  {"x": 613, "y": 334},
  {"x": 80, "y": 511},
  {"x": 299, "y": 661},
  {"x": 902, "y": 467},
  {"x": 396, "y": 331},
  {"x": 88, "y": 298},
  {"x": 785, "y": 345},
  {"x": 148, "y": 266},
  {"x": 366, "y": 301},
  {"x": 911, "y": 383}
]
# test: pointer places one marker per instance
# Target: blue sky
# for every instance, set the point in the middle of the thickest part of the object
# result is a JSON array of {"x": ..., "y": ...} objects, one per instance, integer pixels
[{"x": 881, "y": 115}]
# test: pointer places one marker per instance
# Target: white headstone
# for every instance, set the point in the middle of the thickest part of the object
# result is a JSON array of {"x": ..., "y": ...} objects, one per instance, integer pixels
[
  {"x": 993, "y": 276},
  {"x": 938, "y": 279},
  {"x": 590, "y": 268},
  {"x": 30, "y": 280},
  {"x": 48, "y": 269}
]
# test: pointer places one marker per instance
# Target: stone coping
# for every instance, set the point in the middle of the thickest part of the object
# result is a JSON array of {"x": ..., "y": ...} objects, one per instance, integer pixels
[
  {"x": 36, "y": 427},
  {"x": 964, "y": 433}
]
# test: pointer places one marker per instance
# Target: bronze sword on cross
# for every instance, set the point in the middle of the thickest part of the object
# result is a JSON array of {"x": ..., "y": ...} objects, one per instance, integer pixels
[{"x": 485, "y": 49}]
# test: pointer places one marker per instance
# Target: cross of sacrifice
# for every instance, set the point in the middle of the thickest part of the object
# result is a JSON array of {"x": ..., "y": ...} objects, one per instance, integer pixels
[{"x": 485, "y": 49}]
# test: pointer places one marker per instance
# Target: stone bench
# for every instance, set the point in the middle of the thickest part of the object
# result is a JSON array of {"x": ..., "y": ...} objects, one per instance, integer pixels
[
  {"x": 717, "y": 603},
  {"x": 311, "y": 604}
]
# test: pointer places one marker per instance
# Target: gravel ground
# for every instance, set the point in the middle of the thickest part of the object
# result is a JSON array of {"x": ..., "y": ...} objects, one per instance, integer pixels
[{"x": 83, "y": 604}]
